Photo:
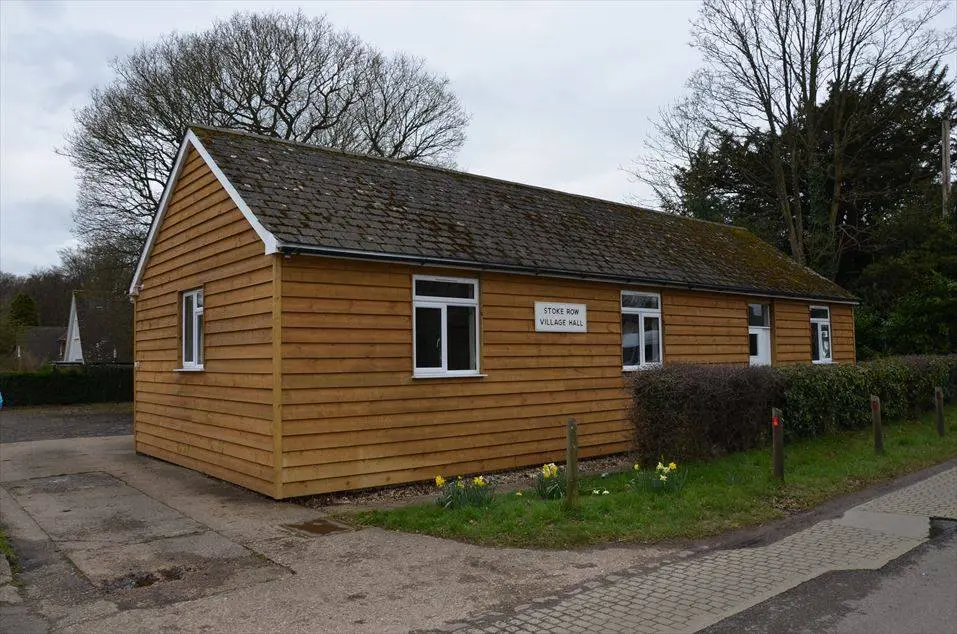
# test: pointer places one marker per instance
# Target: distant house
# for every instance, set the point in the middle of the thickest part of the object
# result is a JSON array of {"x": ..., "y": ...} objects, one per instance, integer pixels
[
  {"x": 309, "y": 320},
  {"x": 100, "y": 330},
  {"x": 40, "y": 345}
]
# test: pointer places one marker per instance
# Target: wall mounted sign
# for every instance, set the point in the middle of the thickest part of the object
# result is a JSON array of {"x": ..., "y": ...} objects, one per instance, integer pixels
[{"x": 554, "y": 317}]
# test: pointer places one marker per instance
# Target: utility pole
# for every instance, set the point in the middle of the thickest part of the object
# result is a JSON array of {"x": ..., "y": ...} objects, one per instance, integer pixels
[{"x": 945, "y": 165}]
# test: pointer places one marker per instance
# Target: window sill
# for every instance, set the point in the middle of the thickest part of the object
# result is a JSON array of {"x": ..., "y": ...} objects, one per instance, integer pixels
[
  {"x": 823, "y": 362},
  {"x": 477, "y": 375},
  {"x": 198, "y": 368},
  {"x": 640, "y": 368}
]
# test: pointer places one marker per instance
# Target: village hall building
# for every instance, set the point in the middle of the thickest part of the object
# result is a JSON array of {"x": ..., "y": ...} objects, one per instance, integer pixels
[{"x": 308, "y": 320}]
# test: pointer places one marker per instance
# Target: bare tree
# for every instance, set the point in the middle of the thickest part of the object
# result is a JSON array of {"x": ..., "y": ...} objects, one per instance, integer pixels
[
  {"x": 768, "y": 64},
  {"x": 287, "y": 76}
]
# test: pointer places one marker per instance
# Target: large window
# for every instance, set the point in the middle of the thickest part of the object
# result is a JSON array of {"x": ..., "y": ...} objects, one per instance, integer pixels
[
  {"x": 192, "y": 334},
  {"x": 445, "y": 326},
  {"x": 820, "y": 334},
  {"x": 640, "y": 329},
  {"x": 759, "y": 333}
]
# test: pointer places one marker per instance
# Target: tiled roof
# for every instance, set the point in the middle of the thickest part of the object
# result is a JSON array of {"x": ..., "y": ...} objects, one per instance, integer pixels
[
  {"x": 326, "y": 201},
  {"x": 42, "y": 342},
  {"x": 106, "y": 327}
]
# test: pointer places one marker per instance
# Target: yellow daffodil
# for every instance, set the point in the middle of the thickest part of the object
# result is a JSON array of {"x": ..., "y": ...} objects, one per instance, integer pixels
[
  {"x": 637, "y": 467},
  {"x": 439, "y": 481},
  {"x": 478, "y": 481},
  {"x": 518, "y": 493},
  {"x": 459, "y": 483},
  {"x": 672, "y": 466}
]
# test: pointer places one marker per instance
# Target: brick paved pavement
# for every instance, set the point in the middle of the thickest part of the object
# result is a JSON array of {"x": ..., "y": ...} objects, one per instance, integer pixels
[{"x": 690, "y": 594}]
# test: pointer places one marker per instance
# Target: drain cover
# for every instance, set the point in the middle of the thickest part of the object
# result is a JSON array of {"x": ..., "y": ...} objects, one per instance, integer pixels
[{"x": 320, "y": 527}]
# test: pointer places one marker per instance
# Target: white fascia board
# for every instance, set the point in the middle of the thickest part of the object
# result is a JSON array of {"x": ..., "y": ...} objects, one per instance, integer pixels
[{"x": 191, "y": 140}]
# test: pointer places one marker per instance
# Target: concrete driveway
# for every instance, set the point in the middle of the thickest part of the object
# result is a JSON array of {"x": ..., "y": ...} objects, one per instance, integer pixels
[{"x": 114, "y": 542}]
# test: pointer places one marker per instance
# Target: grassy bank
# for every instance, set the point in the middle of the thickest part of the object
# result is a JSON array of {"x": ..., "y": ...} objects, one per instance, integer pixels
[{"x": 718, "y": 496}]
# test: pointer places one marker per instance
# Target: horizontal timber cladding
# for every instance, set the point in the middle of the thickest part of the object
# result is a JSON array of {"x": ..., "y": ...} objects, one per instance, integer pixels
[
  {"x": 218, "y": 421},
  {"x": 353, "y": 415},
  {"x": 704, "y": 327},
  {"x": 842, "y": 333}
]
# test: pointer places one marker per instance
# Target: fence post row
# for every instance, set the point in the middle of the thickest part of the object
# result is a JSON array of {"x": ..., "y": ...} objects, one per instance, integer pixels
[
  {"x": 878, "y": 428},
  {"x": 571, "y": 466},
  {"x": 777, "y": 444}
]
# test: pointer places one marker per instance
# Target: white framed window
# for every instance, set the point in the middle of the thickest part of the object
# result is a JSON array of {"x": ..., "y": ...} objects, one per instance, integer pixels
[
  {"x": 820, "y": 334},
  {"x": 445, "y": 328},
  {"x": 640, "y": 330},
  {"x": 192, "y": 329},
  {"x": 759, "y": 334}
]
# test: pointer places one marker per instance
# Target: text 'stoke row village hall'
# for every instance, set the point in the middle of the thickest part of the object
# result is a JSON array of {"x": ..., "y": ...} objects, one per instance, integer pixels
[{"x": 308, "y": 320}]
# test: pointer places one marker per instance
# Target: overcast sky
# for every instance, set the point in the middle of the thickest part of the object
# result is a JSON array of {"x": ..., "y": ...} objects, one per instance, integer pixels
[{"x": 560, "y": 94}]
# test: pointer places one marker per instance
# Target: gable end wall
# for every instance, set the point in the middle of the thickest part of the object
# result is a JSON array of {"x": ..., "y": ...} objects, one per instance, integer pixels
[{"x": 219, "y": 421}]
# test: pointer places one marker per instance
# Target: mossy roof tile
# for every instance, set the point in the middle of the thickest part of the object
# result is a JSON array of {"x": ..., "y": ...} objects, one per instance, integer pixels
[{"x": 318, "y": 199}]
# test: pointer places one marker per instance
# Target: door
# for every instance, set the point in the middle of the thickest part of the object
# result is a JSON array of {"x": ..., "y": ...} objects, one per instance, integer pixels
[{"x": 759, "y": 334}]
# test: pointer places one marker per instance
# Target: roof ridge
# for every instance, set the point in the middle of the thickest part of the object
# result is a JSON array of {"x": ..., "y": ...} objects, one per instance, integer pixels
[{"x": 458, "y": 173}]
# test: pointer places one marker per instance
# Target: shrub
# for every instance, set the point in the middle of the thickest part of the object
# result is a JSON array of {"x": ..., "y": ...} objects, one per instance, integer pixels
[
  {"x": 704, "y": 411},
  {"x": 550, "y": 482},
  {"x": 54, "y": 385},
  {"x": 471, "y": 492}
]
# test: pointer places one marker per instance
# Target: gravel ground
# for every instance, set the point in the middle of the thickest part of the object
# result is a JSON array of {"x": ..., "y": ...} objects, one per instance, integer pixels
[
  {"x": 22, "y": 424},
  {"x": 419, "y": 492}
]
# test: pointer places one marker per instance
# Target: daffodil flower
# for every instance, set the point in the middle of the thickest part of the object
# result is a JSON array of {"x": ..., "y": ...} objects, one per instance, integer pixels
[
  {"x": 439, "y": 481},
  {"x": 672, "y": 466},
  {"x": 605, "y": 492}
]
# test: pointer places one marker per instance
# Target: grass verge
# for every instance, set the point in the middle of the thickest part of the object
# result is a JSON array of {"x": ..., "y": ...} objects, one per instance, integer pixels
[
  {"x": 718, "y": 496},
  {"x": 6, "y": 551}
]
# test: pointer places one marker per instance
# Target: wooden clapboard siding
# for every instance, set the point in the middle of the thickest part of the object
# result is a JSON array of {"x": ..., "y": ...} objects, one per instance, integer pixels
[
  {"x": 842, "y": 334},
  {"x": 792, "y": 332},
  {"x": 704, "y": 327},
  {"x": 353, "y": 416},
  {"x": 219, "y": 421}
]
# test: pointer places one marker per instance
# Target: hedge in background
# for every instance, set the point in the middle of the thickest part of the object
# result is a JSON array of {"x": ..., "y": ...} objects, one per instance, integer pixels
[
  {"x": 67, "y": 385},
  {"x": 702, "y": 411}
]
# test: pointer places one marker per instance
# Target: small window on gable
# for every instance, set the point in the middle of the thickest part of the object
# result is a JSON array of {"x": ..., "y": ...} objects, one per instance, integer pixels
[
  {"x": 192, "y": 329},
  {"x": 445, "y": 326},
  {"x": 640, "y": 330},
  {"x": 820, "y": 334}
]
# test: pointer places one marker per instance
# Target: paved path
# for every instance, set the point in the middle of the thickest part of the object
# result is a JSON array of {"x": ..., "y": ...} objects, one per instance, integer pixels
[
  {"x": 691, "y": 594},
  {"x": 914, "y": 594}
]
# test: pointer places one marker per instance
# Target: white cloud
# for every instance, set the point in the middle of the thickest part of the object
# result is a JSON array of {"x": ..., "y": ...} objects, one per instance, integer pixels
[{"x": 560, "y": 93}]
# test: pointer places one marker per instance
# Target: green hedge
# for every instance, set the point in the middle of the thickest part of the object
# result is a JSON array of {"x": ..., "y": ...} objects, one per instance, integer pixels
[
  {"x": 702, "y": 411},
  {"x": 67, "y": 385}
]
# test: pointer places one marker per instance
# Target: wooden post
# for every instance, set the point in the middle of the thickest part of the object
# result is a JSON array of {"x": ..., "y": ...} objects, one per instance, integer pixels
[
  {"x": 878, "y": 429},
  {"x": 939, "y": 406},
  {"x": 777, "y": 444},
  {"x": 571, "y": 466}
]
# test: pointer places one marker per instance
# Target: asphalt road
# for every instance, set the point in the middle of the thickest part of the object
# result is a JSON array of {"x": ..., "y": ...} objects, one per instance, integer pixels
[
  {"x": 914, "y": 594},
  {"x": 21, "y": 424}
]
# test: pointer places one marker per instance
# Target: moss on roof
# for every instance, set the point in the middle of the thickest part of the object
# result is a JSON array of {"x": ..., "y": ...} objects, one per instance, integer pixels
[{"x": 326, "y": 201}]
